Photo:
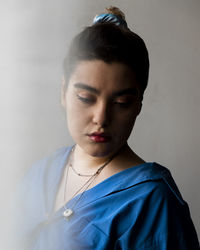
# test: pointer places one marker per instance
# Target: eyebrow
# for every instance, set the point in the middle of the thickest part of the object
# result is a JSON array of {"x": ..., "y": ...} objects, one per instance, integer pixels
[
  {"x": 128, "y": 91},
  {"x": 86, "y": 87}
]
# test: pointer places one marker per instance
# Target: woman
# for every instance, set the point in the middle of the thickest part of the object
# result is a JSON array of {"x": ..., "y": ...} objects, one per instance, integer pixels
[{"x": 98, "y": 194}]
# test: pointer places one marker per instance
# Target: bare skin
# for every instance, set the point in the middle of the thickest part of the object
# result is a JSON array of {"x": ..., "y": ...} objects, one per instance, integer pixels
[
  {"x": 103, "y": 98},
  {"x": 123, "y": 161}
]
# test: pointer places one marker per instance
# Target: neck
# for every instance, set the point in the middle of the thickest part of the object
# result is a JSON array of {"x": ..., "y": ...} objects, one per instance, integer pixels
[{"x": 86, "y": 163}]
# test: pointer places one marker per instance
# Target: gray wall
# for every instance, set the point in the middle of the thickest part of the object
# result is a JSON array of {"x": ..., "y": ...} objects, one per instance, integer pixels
[{"x": 34, "y": 39}]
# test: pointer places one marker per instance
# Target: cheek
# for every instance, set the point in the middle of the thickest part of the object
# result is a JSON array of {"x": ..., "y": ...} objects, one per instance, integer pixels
[
  {"x": 128, "y": 125},
  {"x": 76, "y": 118},
  {"x": 125, "y": 125},
  {"x": 72, "y": 109}
]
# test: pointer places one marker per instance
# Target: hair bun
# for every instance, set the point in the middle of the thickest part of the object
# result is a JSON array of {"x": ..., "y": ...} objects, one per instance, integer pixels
[
  {"x": 116, "y": 11},
  {"x": 113, "y": 15}
]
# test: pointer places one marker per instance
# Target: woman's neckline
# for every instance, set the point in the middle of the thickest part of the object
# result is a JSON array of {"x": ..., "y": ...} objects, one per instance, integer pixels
[{"x": 106, "y": 180}]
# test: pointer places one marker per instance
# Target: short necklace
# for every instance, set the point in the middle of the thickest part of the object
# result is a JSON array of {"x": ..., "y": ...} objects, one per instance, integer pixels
[
  {"x": 79, "y": 174},
  {"x": 74, "y": 170},
  {"x": 69, "y": 211}
]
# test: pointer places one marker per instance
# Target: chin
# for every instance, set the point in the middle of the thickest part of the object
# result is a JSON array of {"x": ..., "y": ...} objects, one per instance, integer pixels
[
  {"x": 102, "y": 150},
  {"x": 99, "y": 150}
]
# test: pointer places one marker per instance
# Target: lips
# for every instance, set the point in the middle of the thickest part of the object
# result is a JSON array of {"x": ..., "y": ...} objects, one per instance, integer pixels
[{"x": 99, "y": 137}]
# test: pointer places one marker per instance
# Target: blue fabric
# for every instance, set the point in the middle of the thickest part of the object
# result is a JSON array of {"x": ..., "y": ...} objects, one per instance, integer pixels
[
  {"x": 110, "y": 18},
  {"x": 138, "y": 208}
]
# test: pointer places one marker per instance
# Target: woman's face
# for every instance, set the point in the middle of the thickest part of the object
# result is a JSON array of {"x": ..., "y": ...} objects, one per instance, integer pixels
[{"x": 102, "y": 102}]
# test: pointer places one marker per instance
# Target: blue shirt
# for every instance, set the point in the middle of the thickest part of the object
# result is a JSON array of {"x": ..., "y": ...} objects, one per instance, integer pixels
[{"x": 137, "y": 208}]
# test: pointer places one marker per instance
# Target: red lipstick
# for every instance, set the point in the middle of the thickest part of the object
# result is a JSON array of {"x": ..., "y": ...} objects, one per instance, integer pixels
[{"x": 99, "y": 137}]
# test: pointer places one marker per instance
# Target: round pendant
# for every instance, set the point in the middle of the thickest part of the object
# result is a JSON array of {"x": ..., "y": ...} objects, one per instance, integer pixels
[{"x": 68, "y": 213}]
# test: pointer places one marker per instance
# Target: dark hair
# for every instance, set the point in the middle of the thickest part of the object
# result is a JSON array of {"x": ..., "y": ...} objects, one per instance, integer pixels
[{"x": 110, "y": 43}]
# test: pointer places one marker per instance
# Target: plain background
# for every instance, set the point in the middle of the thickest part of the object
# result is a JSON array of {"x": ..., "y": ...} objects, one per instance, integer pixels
[{"x": 34, "y": 39}]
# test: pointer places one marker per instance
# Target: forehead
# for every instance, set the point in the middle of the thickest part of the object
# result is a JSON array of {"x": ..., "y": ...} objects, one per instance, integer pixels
[{"x": 103, "y": 76}]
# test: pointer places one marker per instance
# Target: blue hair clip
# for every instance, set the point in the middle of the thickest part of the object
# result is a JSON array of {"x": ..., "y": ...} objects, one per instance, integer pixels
[{"x": 110, "y": 18}]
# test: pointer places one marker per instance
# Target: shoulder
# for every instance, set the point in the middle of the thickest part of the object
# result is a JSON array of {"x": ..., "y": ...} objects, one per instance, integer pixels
[
  {"x": 39, "y": 168},
  {"x": 147, "y": 182},
  {"x": 153, "y": 193},
  {"x": 29, "y": 198},
  {"x": 157, "y": 215},
  {"x": 33, "y": 184},
  {"x": 31, "y": 193}
]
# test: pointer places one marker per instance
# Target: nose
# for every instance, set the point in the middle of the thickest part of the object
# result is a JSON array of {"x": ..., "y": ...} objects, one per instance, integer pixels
[{"x": 101, "y": 114}]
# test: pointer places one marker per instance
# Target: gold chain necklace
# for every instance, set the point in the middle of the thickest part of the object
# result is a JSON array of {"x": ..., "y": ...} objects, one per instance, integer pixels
[
  {"x": 74, "y": 170},
  {"x": 69, "y": 211}
]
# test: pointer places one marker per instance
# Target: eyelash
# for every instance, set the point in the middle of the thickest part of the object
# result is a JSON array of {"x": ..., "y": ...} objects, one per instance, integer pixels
[
  {"x": 85, "y": 100},
  {"x": 89, "y": 101},
  {"x": 123, "y": 104}
]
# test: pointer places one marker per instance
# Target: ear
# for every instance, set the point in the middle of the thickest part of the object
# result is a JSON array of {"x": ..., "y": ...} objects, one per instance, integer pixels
[{"x": 63, "y": 92}]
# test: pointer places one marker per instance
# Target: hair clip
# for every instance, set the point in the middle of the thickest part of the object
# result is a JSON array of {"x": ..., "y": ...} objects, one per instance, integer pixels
[{"x": 110, "y": 18}]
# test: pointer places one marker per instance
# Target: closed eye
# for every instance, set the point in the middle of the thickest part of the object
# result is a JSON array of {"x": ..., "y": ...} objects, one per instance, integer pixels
[
  {"x": 123, "y": 104},
  {"x": 124, "y": 101},
  {"x": 85, "y": 100}
]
